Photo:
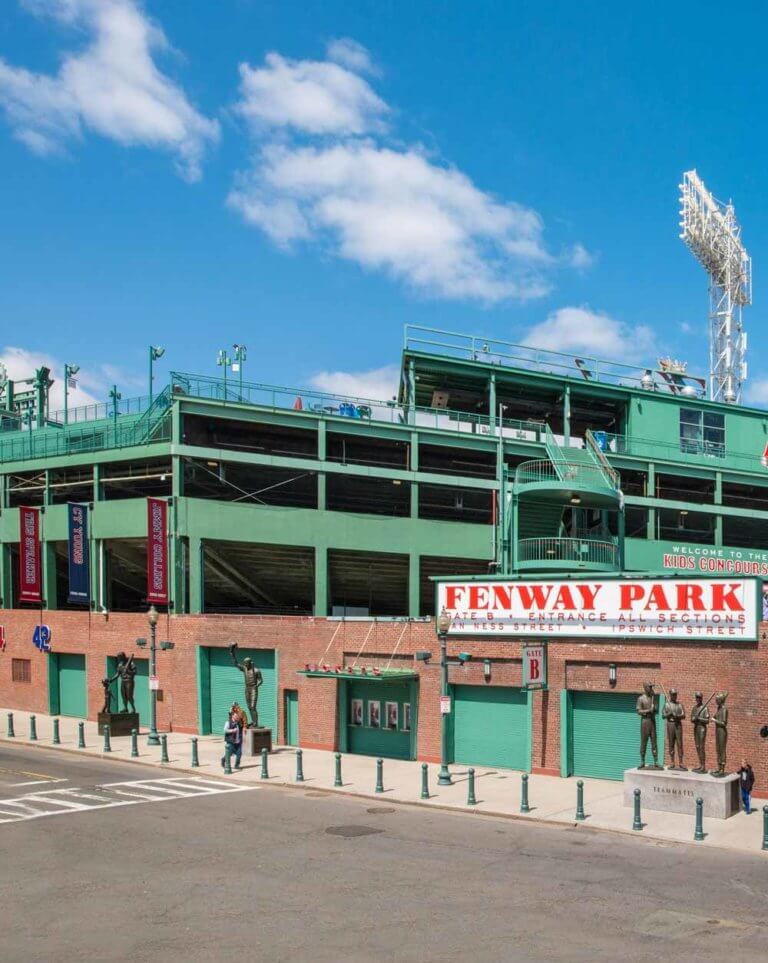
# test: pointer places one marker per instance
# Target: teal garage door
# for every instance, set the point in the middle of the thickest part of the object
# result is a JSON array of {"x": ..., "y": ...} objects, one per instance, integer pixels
[
  {"x": 73, "y": 692},
  {"x": 140, "y": 689},
  {"x": 227, "y": 685},
  {"x": 606, "y": 734},
  {"x": 379, "y": 718},
  {"x": 491, "y": 726}
]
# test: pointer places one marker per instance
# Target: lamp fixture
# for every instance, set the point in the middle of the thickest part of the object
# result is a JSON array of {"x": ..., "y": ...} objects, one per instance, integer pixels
[
  {"x": 487, "y": 670},
  {"x": 575, "y": 499},
  {"x": 612, "y": 674},
  {"x": 443, "y": 623},
  {"x": 422, "y": 656}
]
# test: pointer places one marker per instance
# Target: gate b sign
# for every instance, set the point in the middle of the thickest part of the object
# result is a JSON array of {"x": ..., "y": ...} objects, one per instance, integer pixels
[{"x": 535, "y": 666}]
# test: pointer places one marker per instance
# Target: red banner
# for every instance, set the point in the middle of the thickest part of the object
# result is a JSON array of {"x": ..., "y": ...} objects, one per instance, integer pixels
[
  {"x": 30, "y": 583},
  {"x": 157, "y": 550}
]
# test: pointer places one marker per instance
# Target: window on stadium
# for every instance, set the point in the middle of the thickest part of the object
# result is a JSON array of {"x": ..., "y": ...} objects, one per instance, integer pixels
[{"x": 702, "y": 432}]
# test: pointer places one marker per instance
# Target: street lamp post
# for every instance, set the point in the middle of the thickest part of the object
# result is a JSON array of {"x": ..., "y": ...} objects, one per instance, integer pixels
[
  {"x": 442, "y": 624},
  {"x": 115, "y": 395},
  {"x": 223, "y": 361},
  {"x": 152, "y": 616},
  {"x": 155, "y": 352},
  {"x": 239, "y": 358},
  {"x": 70, "y": 370}
]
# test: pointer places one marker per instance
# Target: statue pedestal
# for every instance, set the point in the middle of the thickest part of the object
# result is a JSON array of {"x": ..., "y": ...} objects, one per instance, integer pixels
[
  {"x": 120, "y": 723},
  {"x": 256, "y": 740},
  {"x": 677, "y": 792}
]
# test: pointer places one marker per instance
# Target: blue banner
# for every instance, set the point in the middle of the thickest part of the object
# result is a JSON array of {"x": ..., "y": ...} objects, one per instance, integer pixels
[{"x": 79, "y": 569}]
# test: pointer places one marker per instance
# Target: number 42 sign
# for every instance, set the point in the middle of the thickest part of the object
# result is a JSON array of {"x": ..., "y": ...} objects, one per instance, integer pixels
[{"x": 535, "y": 666}]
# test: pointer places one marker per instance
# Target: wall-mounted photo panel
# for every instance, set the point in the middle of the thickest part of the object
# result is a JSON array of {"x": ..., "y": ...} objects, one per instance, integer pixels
[
  {"x": 356, "y": 712},
  {"x": 374, "y": 715},
  {"x": 392, "y": 714}
]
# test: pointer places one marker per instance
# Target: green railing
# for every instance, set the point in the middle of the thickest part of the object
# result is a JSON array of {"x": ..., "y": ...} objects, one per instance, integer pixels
[
  {"x": 533, "y": 472},
  {"x": 574, "y": 475},
  {"x": 576, "y": 551},
  {"x": 70, "y": 441}
]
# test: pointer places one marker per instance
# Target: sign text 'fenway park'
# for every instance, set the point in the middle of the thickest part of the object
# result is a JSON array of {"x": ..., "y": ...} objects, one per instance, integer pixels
[{"x": 673, "y": 608}]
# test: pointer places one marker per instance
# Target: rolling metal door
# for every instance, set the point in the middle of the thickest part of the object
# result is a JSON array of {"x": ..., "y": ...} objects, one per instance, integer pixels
[
  {"x": 227, "y": 685},
  {"x": 386, "y": 741},
  {"x": 491, "y": 727},
  {"x": 606, "y": 734}
]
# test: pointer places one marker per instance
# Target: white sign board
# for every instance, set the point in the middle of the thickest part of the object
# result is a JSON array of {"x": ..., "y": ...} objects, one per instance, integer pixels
[
  {"x": 535, "y": 666},
  {"x": 445, "y": 705},
  {"x": 154, "y": 682},
  {"x": 674, "y": 608}
]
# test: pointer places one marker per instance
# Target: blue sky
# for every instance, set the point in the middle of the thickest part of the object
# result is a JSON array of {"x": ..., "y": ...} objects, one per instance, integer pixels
[{"x": 306, "y": 177}]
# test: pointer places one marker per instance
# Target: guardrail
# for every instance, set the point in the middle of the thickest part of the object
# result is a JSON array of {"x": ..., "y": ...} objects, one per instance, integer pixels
[
  {"x": 573, "y": 550},
  {"x": 568, "y": 473}
]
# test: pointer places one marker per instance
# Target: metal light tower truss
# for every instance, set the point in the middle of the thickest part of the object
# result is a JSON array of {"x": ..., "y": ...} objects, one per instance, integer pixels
[{"x": 712, "y": 233}]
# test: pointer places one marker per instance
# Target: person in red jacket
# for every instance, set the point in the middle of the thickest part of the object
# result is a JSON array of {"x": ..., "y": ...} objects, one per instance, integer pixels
[{"x": 746, "y": 782}]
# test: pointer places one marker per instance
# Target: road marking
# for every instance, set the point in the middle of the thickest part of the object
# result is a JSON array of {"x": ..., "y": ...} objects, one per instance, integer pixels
[
  {"x": 37, "y": 778},
  {"x": 75, "y": 799}
]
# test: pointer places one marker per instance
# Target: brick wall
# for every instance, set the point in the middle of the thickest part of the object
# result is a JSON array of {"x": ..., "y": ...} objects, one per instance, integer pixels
[{"x": 741, "y": 669}]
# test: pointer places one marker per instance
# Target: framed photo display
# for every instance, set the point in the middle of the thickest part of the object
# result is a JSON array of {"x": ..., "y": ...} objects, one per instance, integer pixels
[
  {"x": 374, "y": 715},
  {"x": 392, "y": 715},
  {"x": 356, "y": 712},
  {"x": 406, "y": 717}
]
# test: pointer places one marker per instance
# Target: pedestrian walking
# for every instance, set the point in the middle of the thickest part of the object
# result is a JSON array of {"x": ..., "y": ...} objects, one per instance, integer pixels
[
  {"x": 233, "y": 738},
  {"x": 746, "y": 782}
]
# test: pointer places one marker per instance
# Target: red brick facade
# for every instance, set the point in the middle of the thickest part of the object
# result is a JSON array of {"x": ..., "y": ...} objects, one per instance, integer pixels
[{"x": 741, "y": 669}]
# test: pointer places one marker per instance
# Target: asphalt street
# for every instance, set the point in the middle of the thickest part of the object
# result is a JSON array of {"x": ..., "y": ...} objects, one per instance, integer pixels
[{"x": 112, "y": 861}]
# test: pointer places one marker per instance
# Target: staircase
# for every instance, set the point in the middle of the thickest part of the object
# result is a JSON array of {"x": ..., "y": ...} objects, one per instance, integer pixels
[
  {"x": 537, "y": 519},
  {"x": 581, "y": 467}
]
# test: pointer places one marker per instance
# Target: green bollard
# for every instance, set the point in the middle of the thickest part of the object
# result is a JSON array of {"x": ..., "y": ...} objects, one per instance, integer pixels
[
  {"x": 379, "y": 775},
  {"x": 195, "y": 759},
  {"x": 227, "y": 760},
  {"x": 471, "y": 801},
  {"x": 107, "y": 743},
  {"x": 299, "y": 766},
  {"x": 579, "y": 801},
  {"x": 33, "y": 728},
  {"x": 11, "y": 733},
  {"x": 164, "y": 748},
  {"x": 264, "y": 765},
  {"x": 698, "y": 834},
  {"x": 56, "y": 736},
  {"x": 424, "y": 781},
  {"x": 81, "y": 735},
  {"x": 765, "y": 827},
  {"x": 636, "y": 823},
  {"x": 134, "y": 743},
  {"x": 337, "y": 778},
  {"x": 524, "y": 807}
]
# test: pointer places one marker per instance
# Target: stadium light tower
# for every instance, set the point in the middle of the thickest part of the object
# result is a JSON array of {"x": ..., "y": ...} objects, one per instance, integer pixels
[{"x": 713, "y": 234}]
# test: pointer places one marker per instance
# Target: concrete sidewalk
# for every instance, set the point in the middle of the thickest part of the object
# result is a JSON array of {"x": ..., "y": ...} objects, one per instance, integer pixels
[{"x": 498, "y": 791}]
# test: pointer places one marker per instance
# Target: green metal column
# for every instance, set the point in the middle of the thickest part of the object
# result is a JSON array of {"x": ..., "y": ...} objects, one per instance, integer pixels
[
  {"x": 321, "y": 580},
  {"x": 411, "y": 393},
  {"x": 718, "y": 501},
  {"x": 567, "y": 415},
  {"x": 321, "y": 456},
  {"x": 413, "y": 465},
  {"x": 49, "y": 574},
  {"x": 492, "y": 401},
  {"x": 621, "y": 525},
  {"x": 414, "y": 594},
  {"x": 651, "y": 493},
  {"x": 6, "y": 583},
  {"x": 196, "y": 586}
]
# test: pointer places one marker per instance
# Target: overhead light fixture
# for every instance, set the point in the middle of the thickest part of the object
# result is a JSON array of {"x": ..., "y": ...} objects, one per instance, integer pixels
[
  {"x": 212, "y": 464},
  {"x": 683, "y": 511},
  {"x": 575, "y": 499},
  {"x": 396, "y": 481}
]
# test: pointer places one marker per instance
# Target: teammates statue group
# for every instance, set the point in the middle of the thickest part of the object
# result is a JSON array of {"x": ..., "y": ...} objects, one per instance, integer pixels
[{"x": 674, "y": 714}]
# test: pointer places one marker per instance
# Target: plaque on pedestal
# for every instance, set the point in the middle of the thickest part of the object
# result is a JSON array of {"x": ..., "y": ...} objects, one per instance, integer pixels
[
  {"x": 677, "y": 792},
  {"x": 256, "y": 740},
  {"x": 120, "y": 723}
]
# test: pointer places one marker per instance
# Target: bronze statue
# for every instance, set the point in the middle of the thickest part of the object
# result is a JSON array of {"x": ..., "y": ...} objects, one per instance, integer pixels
[
  {"x": 646, "y": 709},
  {"x": 106, "y": 683},
  {"x": 720, "y": 720},
  {"x": 674, "y": 713},
  {"x": 253, "y": 679},
  {"x": 700, "y": 720},
  {"x": 126, "y": 672}
]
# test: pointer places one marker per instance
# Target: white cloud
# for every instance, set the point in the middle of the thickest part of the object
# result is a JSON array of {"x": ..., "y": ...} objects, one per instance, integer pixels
[
  {"x": 379, "y": 384},
  {"x": 326, "y": 171},
  {"x": 112, "y": 86},
  {"x": 756, "y": 392},
  {"x": 21, "y": 364},
  {"x": 315, "y": 97},
  {"x": 581, "y": 329},
  {"x": 349, "y": 53}
]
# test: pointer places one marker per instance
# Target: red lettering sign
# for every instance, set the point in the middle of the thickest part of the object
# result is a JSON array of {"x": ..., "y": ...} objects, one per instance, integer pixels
[
  {"x": 157, "y": 551},
  {"x": 30, "y": 582}
]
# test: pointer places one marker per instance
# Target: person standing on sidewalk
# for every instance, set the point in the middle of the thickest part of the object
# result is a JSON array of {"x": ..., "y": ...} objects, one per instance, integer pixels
[
  {"x": 746, "y": 782},
  {"x": 233, "y": 739}
]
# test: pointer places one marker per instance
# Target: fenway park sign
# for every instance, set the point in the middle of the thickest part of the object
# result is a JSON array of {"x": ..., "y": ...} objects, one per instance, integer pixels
[{"x": 656, "y": 608}]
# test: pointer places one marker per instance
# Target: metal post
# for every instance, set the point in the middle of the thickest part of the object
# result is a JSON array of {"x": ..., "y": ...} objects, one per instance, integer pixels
[
  {"x": 107, "y": 741},
  {"x": 444, "y": 777},
  {"x": 524, "y": 807},
  {"x": 379, "y": 775},
  {"x": 765, "y": 827},
  {"x": 699, "y": 832},
  {"x": 471, "y": 800},
  {"x": 264, "y": 765},
  {"x": 195, "y": 759},
  {"x": 81, "y": 735},
  {"x": 299, "y": 766},
  {"x": 134, "y": 743},
  {"x": 579, "y": 800},
  {"x": 11, "y": 733},
  {"x": 33, "y": 728},
  {"x": 164, "y": 748},
  {"x": 152, "y": 616},
  {"x": 56, "y": 736},
  {"x": 636, "y": 822},
  {"x": 337, "y": 777},
  {"x": 424, "y": 781},
  {"x": 227, "y": 760}
]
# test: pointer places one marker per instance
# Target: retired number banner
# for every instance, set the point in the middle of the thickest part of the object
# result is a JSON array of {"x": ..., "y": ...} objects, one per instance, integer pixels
[
  {"x": 157, "y": 550},
  {"x": 79, "y": 568},
  {"x": 30, "y": 584}
]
